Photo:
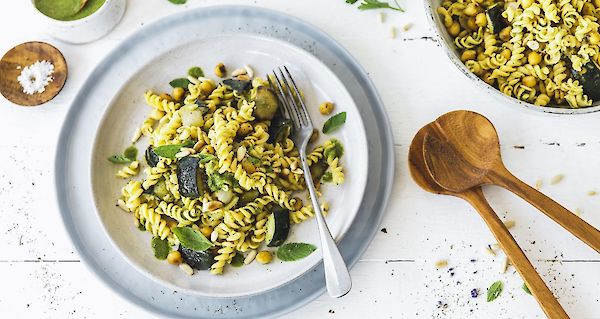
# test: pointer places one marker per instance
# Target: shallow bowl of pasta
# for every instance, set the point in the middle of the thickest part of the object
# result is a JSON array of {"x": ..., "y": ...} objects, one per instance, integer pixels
[
  {"x": 538, "y": 54},
  {"x": 202, "y": 190}
]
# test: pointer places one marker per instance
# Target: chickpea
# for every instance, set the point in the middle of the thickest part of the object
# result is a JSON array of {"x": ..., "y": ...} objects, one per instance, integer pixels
[
  {"x": 481, "y": 20},
  {"x": 468, "y": 55},
  {"x": 178, "y": 93},
  {"x": 220, "y": 70},
  {"x": 534, "y": 58},
  {"x": 206, "y": 231},
  {"x": 207, "y": 87},
  {"x": 526, "y": 3},
  {"x": 594, "y": 38},
  {"x": 506, "y": 53},
  {"x": 471, "y": 10},
  {"x": 245, "y": 129},
  {"x": 208, "y": 149},
  {"x": 471, "y": 24},
  {"x": 174, "y": 258},
  {"x": 314, "y": 136},
  {"x": 325, "y": 108},
  {"x": 454, "y": 29},
  {"x": 529, "y": 81},
  {"x": 264, "y": 257},
  {"x": 504, "y": 34},
  {"x": 248, "y": 166},
  {"x": 298, "y": 204},
  {"x": 166, "y": 97}
]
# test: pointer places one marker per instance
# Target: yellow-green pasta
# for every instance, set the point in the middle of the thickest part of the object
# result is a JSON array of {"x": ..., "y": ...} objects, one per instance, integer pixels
[
  {"x": 216, "y": 167},
  {"x": 544, "y": 52}
]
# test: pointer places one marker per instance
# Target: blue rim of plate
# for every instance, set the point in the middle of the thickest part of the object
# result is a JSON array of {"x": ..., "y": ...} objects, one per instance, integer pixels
[{"x": 121, "y": 276}]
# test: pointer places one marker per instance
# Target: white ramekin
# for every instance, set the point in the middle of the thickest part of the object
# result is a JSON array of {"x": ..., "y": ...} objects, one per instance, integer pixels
[
  {"x": 447, "y": 44},
  {"x": 89, "y": 28}
]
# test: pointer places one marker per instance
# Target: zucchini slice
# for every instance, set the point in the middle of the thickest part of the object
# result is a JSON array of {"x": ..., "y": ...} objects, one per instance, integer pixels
[
  {"x": 495, "y": 19},
  {"x": 151, "y": 157},
  {"x": 266, "y": 103},
  {"x": 190, "y": 177},
  {"x": 200, "y": 260},
  {"x": 279, "y": 130},
  {"x": 278, "y": 227},
  {"x": 160, "y": 188},
  {"x": 317, "y": 170},
  {"x": 237, "y": 85},
  {"x": 589, "y": 78}
]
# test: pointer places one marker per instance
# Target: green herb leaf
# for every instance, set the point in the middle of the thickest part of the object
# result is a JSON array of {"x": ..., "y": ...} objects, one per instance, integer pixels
[
  {"x": 178, "y": 1},
  {"x": 119, "y": 159},
  {"x": 205, "y": 158},
  {"x": 196, "y": 72},
  {"x": 141, "y": 227},
  {"x": 494, "y": 291},
  {"x": 295, "y": 251},
  {"x": 161, "y": 248},
  {"x": 237, "y": 260},
  {"x": 253, "y": 160},
  {"x": 335, "y": 149},
  {"x": 180, "y": 83},
  {"x": 192, "y": 239},
  {"x": 334, "y": 122},
  {"x": 169, "y": 151},
  {"x": 327, "y": 177},
  {"x": 526, "y": 289},
  {"x": 131, "y": 152},
  {"x": 216, "y": 181},
  {"x": 351, "y": 1},
  {"x": 376, "y": 4}
]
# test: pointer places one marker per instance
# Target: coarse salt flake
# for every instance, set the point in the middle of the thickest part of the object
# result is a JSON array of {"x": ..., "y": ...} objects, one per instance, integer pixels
[{"x": 34, "y": 78}]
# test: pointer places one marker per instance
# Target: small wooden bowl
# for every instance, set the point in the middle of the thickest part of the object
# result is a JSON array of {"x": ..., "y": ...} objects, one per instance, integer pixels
[{"x": 26, "y": 54}]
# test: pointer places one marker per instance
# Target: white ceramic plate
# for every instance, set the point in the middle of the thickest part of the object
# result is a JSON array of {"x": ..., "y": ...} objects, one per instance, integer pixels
[{"x": 127, "y": 110}]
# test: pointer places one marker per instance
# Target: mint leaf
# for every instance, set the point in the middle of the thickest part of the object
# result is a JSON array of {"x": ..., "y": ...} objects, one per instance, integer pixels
[
  {"x": 131, "y": 152},
  {"x": 178, "y": 1},
  {"x": 196, "y": 72},
  {"x": 351, "y": 1},
  {"x": 180, "y": 83},
  {"x": 169, "y": 151},
  {"x": 119, "y": 159},
  {"x": 237, "y": 260},
  {"x": 526, "y": 289},
  {"x": 295, "y": 251},
  {"x": 494, "y": 291},
  {"x": 192, "y": 239},
  {"x": 327, "y": 177},
  {"x": 161, "y": 248},
  {"x": 205, "y": 158},
  {"x": 376, "y": 4},
  {"x": 334, "y": 122}
]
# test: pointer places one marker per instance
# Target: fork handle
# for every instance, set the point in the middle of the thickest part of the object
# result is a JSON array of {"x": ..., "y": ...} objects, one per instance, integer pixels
[{"x": 337, "y": 276}]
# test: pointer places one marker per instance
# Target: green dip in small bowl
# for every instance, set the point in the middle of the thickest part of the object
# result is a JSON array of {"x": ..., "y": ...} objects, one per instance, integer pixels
[{"x": 68, "y": 10}]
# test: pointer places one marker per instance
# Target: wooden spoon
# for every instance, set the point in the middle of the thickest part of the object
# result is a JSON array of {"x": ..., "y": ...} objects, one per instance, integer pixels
[
  {"x": 462, "y": 151},
  {"x": 475, "y": 197}
]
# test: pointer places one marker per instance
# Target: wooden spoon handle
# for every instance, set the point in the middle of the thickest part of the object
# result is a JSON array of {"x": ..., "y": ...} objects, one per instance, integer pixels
[
  {"x": 517, "y": 257},
  {"x": 569, "y": 221}
]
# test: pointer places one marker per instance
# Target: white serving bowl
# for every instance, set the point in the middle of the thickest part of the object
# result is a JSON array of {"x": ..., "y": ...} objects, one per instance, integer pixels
[
  {"x": 87, "y": 29},
  {"x": 445, "y": 41}
]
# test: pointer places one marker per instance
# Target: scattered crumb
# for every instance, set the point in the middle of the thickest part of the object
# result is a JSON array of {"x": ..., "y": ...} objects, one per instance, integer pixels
[
  {"x": 538, "y": 184},
  {"x": 495, "y": 246},
  {"x": 578, "y": 212},
  {"x": 489, "y": 250},
  {"x": 509, "y": 224},
  {"x": 557, "y": 179},
  {"x": 504, "y": 265},
  {"x": 592, "y": 193},
  {"x": 407, "y": 27},
  {"x": 18, "y": 67},
  {"x": 441, "y": 263},
  {"x": 520, "y": 147},
  {"x": 331, "y": 311},
  {"x": 384, "y": 230},
  {"x": 381, "y": 17},
  {"x": 393, "y": 32}
]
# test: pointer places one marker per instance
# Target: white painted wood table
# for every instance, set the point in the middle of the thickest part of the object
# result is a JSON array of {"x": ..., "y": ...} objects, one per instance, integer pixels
[{"x": 43, "y": 277}]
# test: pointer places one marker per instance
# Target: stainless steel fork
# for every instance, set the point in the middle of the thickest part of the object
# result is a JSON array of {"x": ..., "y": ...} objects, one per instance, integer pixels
[{"x": 337, "y": 276}]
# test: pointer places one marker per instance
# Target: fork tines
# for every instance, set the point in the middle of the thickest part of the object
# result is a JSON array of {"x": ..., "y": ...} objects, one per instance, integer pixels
[{"x": 293, "y": 105}]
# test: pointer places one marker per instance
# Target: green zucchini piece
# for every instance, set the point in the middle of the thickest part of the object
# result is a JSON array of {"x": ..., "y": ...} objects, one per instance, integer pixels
[
  {"x": 190, "y": 177},
  {"x": 278, "y": 227},
  {"x": 266, "y": 103},
  {"x": 200, "y": 260},
  {"x": 237, "y": 85},
  {"x": 279, "y": 130},
  {"x": 495, "y": 19},
  {"x": 151, "y": 157},
  {"x": 160, "y": 188},
  {"x": 317, "y": 170},
  {"x": 589, "y": 78},
  {"x": 249, "y": 196}
]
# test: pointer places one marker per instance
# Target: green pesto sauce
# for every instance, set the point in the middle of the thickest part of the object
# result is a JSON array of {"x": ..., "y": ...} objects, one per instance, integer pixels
[{"x": 68, "y": 10}]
